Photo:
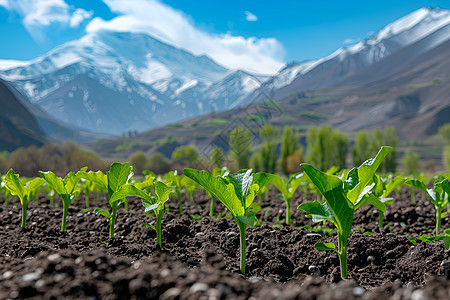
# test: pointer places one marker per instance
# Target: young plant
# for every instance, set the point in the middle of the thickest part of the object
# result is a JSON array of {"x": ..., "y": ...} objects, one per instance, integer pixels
[
  {"x": 235, "y": 191},
  {"x": 438, "y": 196},
  {"x": 65, "y": 189},
  {"x": 287, "y": 189},
  {"x": 190, "y": 186},
  {"x": 87, "y": 187},
  {"x": 342, "y": 198},
  {"x": 150, "y": 203},
  {"x": 176, "y": 179},
  {"x": 16, "y": 188},
  {"x": 117, "y": 176},
  {"x": 383, "y": 187}
]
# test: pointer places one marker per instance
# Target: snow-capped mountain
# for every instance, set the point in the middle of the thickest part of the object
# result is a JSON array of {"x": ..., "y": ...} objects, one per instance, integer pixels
[
  {"x": 430, "y": 27},
  {"x": 113, "y": 82}
]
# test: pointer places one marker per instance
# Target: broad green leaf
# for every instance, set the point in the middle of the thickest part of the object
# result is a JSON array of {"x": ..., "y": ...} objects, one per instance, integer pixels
[
  {"x": 219, "y": 187},
  {"x": 366, "y": 172},
  {"x": 14, "y": 185},
  {"x": 127, "y": 190},
  {"x": 295, "y": 180},
  {"x": 447, "y": 242},
  {"x": 241, "y": 181},
  {"x": 34, "y": 184},
  {"x": 331, "y": 188},
  {"x": 118, "y": 175},
  {"x": 325, "y": 247},
  {"x": 254, "y": 188},
  {"x": 71, "y": 181},
  {"x": 416, "y": 183},
  {"x": 372, "y": 199},
  {"x": 263, "y": 179},
  {"x": 98, "y": 178},
  {"x": 149, "y": 206},
  {"x": 254, "y": 207},
  {"x": 163, "y": 191},
  {"x": 54, "y": 181},
  {"x": 103, "y": 212},
  {"x": 280, "y": 184},
  {"x": 318, "y": 211},
  {"x": 393, "y": 185}
]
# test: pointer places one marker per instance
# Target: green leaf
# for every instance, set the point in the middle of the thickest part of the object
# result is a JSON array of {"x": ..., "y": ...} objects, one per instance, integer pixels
[
  {"x": 372, "y": 199},
  {"x": 416, "y": 183},
  {"x": 220, "y": 188},
  {"x": 149, "y": 225},
  {"x": 55, "y": 182},
  {"x": 129, "y": 190},
  {"x": 366, "y": 172},
  {"x": 241, "y": 180},
  {"x": 103, "y": 212},
  {"x": 319, "y": 212},
  {"x": 331, "y": 188},
  {"x": 254, "y": 207},
  {"x": 262, "y": 179},
  {"x": 70, "y": 182},
  {"x": 325, "y": 247},
  {"x": 34, "y": 184},
  {"x": 280, "y": 184},
  {"x": 118, "y": 175},
  {"x": 98, "y": 178},
  {"x": 163, "y": 191},
  {"x": 413, "y": 241},
  {"x": 14, "y": 185},
  {"x": 447, "y": 242},
  {"x": 149, "y": 206},
  {"x": 393, "y": 185}
]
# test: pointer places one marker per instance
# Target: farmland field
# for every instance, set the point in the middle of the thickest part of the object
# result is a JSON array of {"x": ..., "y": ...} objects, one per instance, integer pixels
[{"x": 200, "y": 255}]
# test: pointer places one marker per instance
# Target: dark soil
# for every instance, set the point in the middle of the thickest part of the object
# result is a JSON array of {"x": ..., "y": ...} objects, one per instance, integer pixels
[{"x": 200, "y": 255}]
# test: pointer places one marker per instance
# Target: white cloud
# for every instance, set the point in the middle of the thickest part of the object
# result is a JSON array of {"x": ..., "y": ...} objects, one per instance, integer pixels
[
  {"x": 79, "y": 16},
  {"x": 263, "y": 55},
  {"x": 39, "y": 15},
  {"x": 250, "y": 17}
]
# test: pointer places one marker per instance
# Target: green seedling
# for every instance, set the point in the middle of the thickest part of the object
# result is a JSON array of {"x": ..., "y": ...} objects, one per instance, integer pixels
[
  {"x": 190, "y": 186},
  {"x": 176, "y": 180},
  {"x": 65, "y": 189},
  {"x": 6, "y": 193},
  {"x": 438, "y": 196},
  {"x": 342, "y": 198},
  {"x": 17, "y": 188},
  {"x": 383, "y": 187},
  {"x": 150, "y": 203},
  {"x": 237, "y": 192},
  {"x": 287, "y": 189},
  {"x": 117, "y": 176},
  {"x": 430, "y": 239},
  {"x": 87, "y": 187}
]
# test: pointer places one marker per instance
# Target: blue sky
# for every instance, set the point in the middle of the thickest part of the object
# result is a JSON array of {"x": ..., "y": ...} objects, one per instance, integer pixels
[{"x": 254, "y": 35}]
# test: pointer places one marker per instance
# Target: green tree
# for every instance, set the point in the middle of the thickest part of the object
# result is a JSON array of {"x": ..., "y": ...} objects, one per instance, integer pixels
[
  {"x": 446, "y": 157},
  {"x": 444, "y": 131},
  {"x": 255, "y": 162},
  {"x": 411, "y": 162},
  {"x": 339, "y": 149},
  {"x": 269, "y": 137},
  {"x": 138, "y": 160},
  {"x": 326, "y": 147},
  {"x": 217, "y": 156},
  {"x": 158, "y": 164},
  {"x": 361, "y": 149},
  {"x": 289, "y": 146},
  {"x": 187, "y": 155},
  {"x": 240, "y": 146}
]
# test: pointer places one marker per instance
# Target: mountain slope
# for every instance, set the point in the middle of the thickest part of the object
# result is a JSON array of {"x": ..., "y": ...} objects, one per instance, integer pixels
[
  {"x": 135, "y": 77},
  {"x": 17, "y": 125},
  {"x": 426, "y": 28}
]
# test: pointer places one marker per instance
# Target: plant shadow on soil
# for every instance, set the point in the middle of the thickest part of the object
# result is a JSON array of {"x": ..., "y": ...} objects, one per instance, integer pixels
[{"x": 200, "y": 255}]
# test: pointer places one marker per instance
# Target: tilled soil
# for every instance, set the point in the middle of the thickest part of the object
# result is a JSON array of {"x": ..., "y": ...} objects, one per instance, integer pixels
[{"x": 200, "y": 256}]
